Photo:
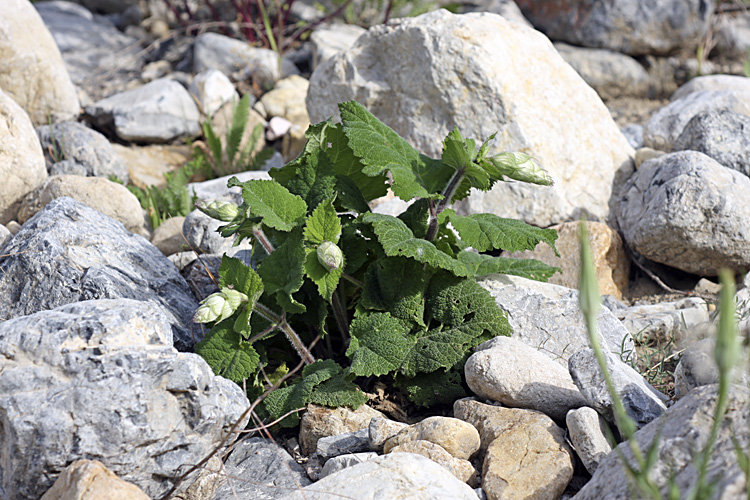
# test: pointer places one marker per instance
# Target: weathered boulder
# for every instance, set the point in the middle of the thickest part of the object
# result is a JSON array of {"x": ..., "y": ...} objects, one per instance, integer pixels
[
  {"x": 320, "y": 421},
  {"x": 90, "y": 480},
  {"x": 100, "y": 380},
  {"x": 635, "y": 27},
  {"x": 423, "y": 76},
  {"x": 712, "y": 82},
  {"x": 687, "y": 211},
  {"x": 455, "y": 436},
  {"x": 32, "y": 72},
  {"x": 460, "y": 468},
  {"x": 21, "y": 159},
  {"x": 327, "y": 41},
  {"x": 587, "y": 431},
  {"x": 69, "y": 252}
]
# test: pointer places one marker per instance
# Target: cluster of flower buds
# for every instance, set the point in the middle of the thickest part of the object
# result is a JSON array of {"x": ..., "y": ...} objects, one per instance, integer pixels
[
  {"x": 330, "y": 255},
  {"x": 222, "y": 210},
  {"x": 521, "y": 167},
  {"x": 219, "y": 306}
]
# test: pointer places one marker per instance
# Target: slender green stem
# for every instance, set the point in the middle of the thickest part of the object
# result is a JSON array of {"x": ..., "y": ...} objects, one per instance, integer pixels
[
  {"x": 339, "y": 312},
  {"x": 352, "y": 280},
  {"x": 261, "y": 237},
  {"x": 448, "y": 192},
  {"x": 291, "y": 335}
]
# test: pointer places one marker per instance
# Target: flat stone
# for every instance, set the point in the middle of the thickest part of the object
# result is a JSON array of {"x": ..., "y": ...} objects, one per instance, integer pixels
[
  {"x": 462, "y": 469},
  {"x": 548, "y": 317},
  {"x": 349, "y": 442},
  {"x": 665, "y": 321},
  {"x": 642, "y": 402},
  {"x": 168, "y": 236},
  {"x": 89, "y": 479},
  {"x": 213, "y": 89},
  {"x": 381, "y": 430},
  {"x": 712, "y": 82},
  {"x": 455, "y": 436},
  {"x": 148, "y": 164},
  {"x": 260, "y": 469},
  {"x": 517, "y": 375},
  {"x": 587, "y": 431},
  {"x": 335, "y": 464},
  {"x": 320, "y": 421}
]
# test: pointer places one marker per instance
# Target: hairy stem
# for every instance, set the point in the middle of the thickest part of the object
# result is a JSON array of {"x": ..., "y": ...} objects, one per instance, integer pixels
[
  {"x": 261, "y": 237},
  {"x": 354, "y": 281},
  {"x": 448, "y": 192},
  {"x": 339, "y": 312},
  {"x": 291, "y": 335}
]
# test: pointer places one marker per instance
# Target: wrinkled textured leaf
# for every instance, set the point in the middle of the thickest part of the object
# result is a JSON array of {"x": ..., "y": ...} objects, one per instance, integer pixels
[
  {"x": 271, "y": 201},
  {"x": 417, "y": 217},
  {"x": 428, "y": 389},
  {"x": 283, "y": 272},
  {"x": 323, "y": 225},
  {"x": 338, "y": 391},
  {"x": 396, "y": 285},
  {"x": 480, "y": 265},
  {"x": 227, "y": 354},
  {"x": 379, "y": 344}
]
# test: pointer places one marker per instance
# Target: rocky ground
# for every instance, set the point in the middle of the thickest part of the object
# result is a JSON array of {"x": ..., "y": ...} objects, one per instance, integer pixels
[{"x": 101, "y": 395}]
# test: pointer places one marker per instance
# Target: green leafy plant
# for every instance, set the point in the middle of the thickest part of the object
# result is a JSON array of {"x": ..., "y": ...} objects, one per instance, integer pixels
[
  {"x": 391, "y": 296},
  {"x": 171, "y": 200}
]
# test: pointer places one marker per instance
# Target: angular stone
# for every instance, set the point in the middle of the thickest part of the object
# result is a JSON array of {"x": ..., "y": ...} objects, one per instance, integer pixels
[
  {"x": 109, "y": 198},
  {"x": 206, "y": 484},
  {"x": 381, "y": 430},
  {"x": 168, "y": 236},
  {"x": 320, "y": 421},
  {"x": 99, "y": 379},
  {"x": 723, "y": 135},
  {"x": 90, "y": 480},
  {"x": 548, "y": 317},
  {"x": 5, "y": 235},
  {"x": 423, "y": 76},
  {"x": 213, "y": 89},
  {"x": 642, "y": 402},
  {"x": 335, "y": 464},
  {"x": 696, "y": 368},
  {"x": 687, "y": 211},
  {"x": 462, "y": 469},
  {"x": 586, "y": 429},
  {"x": 32, "y": 72},
  {"x": 260, "y": 469},
  {"x": 610, "y": 260},
  {"x": 528, "y": 460},
  {"x": 505, "y": 8},
  {"x": 148, "y": 164},
  {"x": 349, "y": 442},
  {"x": 455, "y": 436},
  {"x": 732, "y": 34},
  {"x": 665, "y": 321},
  {"x": 69, "y": 252},
  {"x": 712, "y": 82},
  {"x": 683, "y": 433},
  {"x": 405, "y": 476},
  {"x": 159, "y": 111},
  {"x": 665, "y": 126},
  {"x": 510, "y": 372},
  {"x": 637, "y": 28},
  {"x": 21, "y": 159},
  {"x": 329, "y": 40}
]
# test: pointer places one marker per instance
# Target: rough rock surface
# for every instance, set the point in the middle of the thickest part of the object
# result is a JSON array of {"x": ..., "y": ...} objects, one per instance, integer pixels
[
  {"x": 320, "y": 421},
  {"x": 349, "y": 442},
  {"x": 687, "y": 211},
  {"x": 510, "y": 372},
  {"x": 455, "y": 436},
  {"x": 587, "y": 435},
  {"x": 21, "y": 160},
  {"x": 665, "y": 321},
  {"x": 69, "y": 252},
  {"x": 696, "y": 368},
  {"x": 327, "y": 41},
  {"x": 548, "y": 317},
  {"x": 423, "y": 76},
  {"x": 712, "y": 82},
  {"x": 638, "y": 27},
  {"x": 683, "y": 432},
  {"x": 460, "y": 468},
  {"x": 91, "y": 480},
  {"x": 405, "y": 476},
  {"x": 99, "y": 380},
  {"x": 260, "y": 469},
  {"x": 335, "y": 464},
  {"x": 381, "y": 430},
  {"x": 32, "y": 71}
]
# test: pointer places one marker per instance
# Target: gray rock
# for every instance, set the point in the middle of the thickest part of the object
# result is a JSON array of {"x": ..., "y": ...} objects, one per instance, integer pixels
[
  {"x": 696, "y": 368},
  {"x": 611, "y": 74},
  {"x": 499, "y": 371},
  {"x": 335, "y": 464},
  {"x": 212, "y": 89},
  {"x": 32, "y": 72},
  {"x": 201, "y": 234},
  {"x": 721, "y": 134},
  {"x": 75, "y": 142},
  {"x": 100, "y": 59},
  {"x": 732, "y": 34},
  {"x": 217, "y": 188},
  {"x": 548, "y": 318},
  {"x": 327, "y": 41},
  {"x": 99, "y": 380},
  {"x": 712, "y": 82},
  {"x": 505, "y": 8},
  {"x": 69, "y": 252},
  {"x": 687, "y": 211},
  {"x": 67, "y": 167},
  {"x": 239, "y": 60},
  {"x": 260, "y": 469},
  {"x": 665, "y": 126},
  {"x": 587, "y": 431},
  {"x": 633, "y": 132},
  {"x": 423, "y": 76},
  {"x": 349, "y": 442},
  {"x": 642, "y": 402},
  {"x": 639, "y": 27},
  {"x": 405, "y": 476},
  {"x": 683, "y": 433},
  {"x": 665, "y": 321},
  {"x": 381, "y": 430},
  {"x": 159, "y": 111},
  {"x": 5, "y": 236},
  {"x": 200, "y": 275}
]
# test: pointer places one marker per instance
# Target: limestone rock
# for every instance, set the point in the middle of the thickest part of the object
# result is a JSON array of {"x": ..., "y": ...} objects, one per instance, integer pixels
[
  {"x": 587, "y": 434},
  {"x": 110, "y": 198},
  {"x": 697, "y": 367},
  {"x": 335, "y": 464},
  {"x": 320, "y": 421},
  {"x": 168, "y": 236},
  {"x": 32, "y": 72},
  {"x": 349, "y": 442},
  {"x": 21, "y": 160},
  {"x": 548, "y": 317},
  {"x": 99, "y": 380},
  {"x": 687, "y": 211},
  {"x": 610, "y": 260},
  {"x": 519, "y": 376},
  {"x": 732, "y": 32},
  {"x": 91, "y": 480},
  {"x": 462, "y": 469},
  {"x": 148, "y": 164},
  {"x": 159, "y": 111},
  {"x": 637, "y": 27},
  {"x": 712, "y": 82},
  {"x": 212, "y": 89},
  {"x": 423, "y": 76},
  {"x": 405, "y": 476},
  {"x": 327, "y": 41},
  {"x": 209, "y": 480},
  {"x": 381, "y": 430},
  {"x": 665, "y": 321},
  {"x": 69, "y": 252},
  {"x": 455, "y": 436}
]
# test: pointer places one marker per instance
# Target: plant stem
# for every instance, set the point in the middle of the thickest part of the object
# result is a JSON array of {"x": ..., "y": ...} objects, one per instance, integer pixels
[
  {"x": 352, "y": 280},
  {"x": 448, "y": 192},
  {"x": 291, "y": 335},
  {"x": 261, "y": 237},
  {"x": 339, "y": 312}
]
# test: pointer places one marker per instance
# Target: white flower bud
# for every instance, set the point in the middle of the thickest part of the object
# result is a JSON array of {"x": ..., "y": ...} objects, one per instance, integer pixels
[
  {"x": 521, "y": 167},
  {"x": 221, "y": 210},
  {"x": 330, "y": 256}
]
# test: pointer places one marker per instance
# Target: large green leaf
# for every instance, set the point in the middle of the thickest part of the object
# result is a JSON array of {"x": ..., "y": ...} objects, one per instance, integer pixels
[
  {"x": 283, "y": 272},
  {"x": 271, "y": 201},
  {"x": 227, "y": 353},
  {"x": 381, "y": 149},
  {"x": 379, "y": 344},
  {"x": 396, "y": 285},
  {"x": 323, "y": 225},
  {"x": 338, "y": 391},
  {"x": 480, "y": 264},
  {"x": 428, "y": 389},
  {"x": 233, "y": 273}
]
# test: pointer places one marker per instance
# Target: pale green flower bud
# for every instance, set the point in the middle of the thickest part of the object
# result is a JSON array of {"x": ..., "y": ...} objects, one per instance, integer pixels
[
  {"x": 219, "y": 306},
  {"x": 222, "y": 210},
  {"x": 521, "y": 167},
  {"x": 330, "y": 256},
  {"x": 234, "y": 298}
]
